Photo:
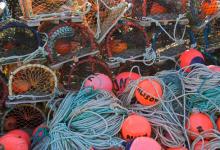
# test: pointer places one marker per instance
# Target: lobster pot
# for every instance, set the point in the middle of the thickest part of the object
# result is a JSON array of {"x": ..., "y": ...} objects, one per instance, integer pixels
[
  {"x": 143, "y": 8},
  {"x": 203, "y": 11},
  {"x": 33, "y": 9}
]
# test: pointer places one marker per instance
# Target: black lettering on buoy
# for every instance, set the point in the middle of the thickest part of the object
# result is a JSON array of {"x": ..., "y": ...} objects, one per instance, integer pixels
[
  {"x": 146, "y": 96},
  {"x": 200, "y": 129},
  {"x": 90, "y": 78},
  {"x": 122, "y": 83},
  {"x": 116, "y": 86}
]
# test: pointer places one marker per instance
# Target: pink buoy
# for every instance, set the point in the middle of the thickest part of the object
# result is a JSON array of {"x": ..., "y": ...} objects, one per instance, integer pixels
[
  {"x": 123, "y": 79},
  {"x": 145, "y": 143},
  {"x": 99, "y": 81},
  {"x": 214, "y": 68}
]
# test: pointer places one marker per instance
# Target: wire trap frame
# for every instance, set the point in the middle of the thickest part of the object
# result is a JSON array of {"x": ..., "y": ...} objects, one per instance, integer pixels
[
  {"x": 20, "y": 43},
  {"x": 22, "y": 116},
  {"x": 127, "y": 41},
  {"x": 35, "y": 11},
  {"x": 201, "y": 12},
  {"x": 69, "y": 41},
  {"x": 3, "y": 91},
  {"x": 32, "y": 83}
]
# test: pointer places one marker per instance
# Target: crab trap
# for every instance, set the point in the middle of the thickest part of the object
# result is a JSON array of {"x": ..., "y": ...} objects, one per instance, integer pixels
[
  {"x": 201, "y": 12},
  {"x": 32, "y": 83},
  {"x": 73, "y": 75},
  {"x": 22, "y": 116},
  {"x": 35, "y": 11},
  {"x": 69, "y": 41},
  {"x": 20, "y": 43}
]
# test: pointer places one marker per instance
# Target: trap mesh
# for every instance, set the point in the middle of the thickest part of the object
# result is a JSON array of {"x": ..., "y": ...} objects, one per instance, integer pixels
[
  {"x": 104, "y": 15},
  {"x": 202, "y": 11},
  {"x": 158, "y": 8},
  {"x": 50, "y": 8},
  {"x": 17, "y": 41},
  {"x": 22, "y": 117},
  {"x": 69, "y": 40},
  {"x": 32, "y": 83},
  {"x": 74, "y": 75},
  {"x": 3, "y": 91},
  {"x": 126, "y": 40}
]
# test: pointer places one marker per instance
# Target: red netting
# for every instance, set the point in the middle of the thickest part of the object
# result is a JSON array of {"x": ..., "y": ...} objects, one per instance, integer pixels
[{"x": 3, "y": 91}]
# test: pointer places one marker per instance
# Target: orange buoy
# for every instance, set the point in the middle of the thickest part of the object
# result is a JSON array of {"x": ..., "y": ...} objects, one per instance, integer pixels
[
  {"x": 214, "y": 68},
  {"x": 21, "y": 134},
  {"x": 198, "y": 123},
  {"x": 218, "y": 123},
  {"x": 209, "y": 7},
  {"x": 20, "y": 86},
  {"x": 10, "y": 123},
  {"x": 118, "y": 46},
  {"x": 145, "y": 143},
  {"x": 200, "y": 145},
  {"x": 148, "y": 92},
  {"x": 62, "y": 47},
  {"x": 11, "y": 142},
  {"x": 189, "y": 57},
  {"x": 99, "y": 81},
  {"x": 123, "y": 79},
  {"x": 135, "y": 126},
  {"x": 157, "y": 9},
  {"x": 178, "y": 148}
]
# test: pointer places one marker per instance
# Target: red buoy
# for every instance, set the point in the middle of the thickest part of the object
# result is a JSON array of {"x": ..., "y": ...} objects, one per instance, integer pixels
[{"x": 135, "y": 126}]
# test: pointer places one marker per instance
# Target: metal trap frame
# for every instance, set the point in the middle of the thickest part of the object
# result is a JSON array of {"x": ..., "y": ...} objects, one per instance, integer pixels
[{"x": 36, "y": 11}]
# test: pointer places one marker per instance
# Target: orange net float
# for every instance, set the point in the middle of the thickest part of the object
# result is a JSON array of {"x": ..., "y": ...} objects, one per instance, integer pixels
[
  {"x": 20, "y": 133},
  {"x": 201, "y": 145},
  {"x": 13, "y": 143},
  {"x": 198, "y": 123},
  {"x": 190, "y": 57},
  {"x": 145, "y": 143},
  {"x": 123, "y": 79},
  {"x": 149, "y": 92},
  {"x": 135, "y": 126},
  {"x": 118, "y": 46},
  {"x": 210, "y": 7}
]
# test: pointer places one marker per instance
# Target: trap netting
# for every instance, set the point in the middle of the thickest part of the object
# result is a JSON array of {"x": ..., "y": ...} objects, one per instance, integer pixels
[
  {"x": 127, "y": 41},
  {"x": 22, "y": 116},
  {"x": 69, "y": 40},
  {"x": 53, "y": 9},
  {"x": 169, "y": 42},
  {"x": 203, "y": 11},
  {"x": 3, "y": 91},
  {"x": 19, "y": 43},
  {"x": 32, "y": 83},
  {"x": 73, "y": 75},
  {"x": 159, "y": 9},
  {"x": 104, "y": 15}
]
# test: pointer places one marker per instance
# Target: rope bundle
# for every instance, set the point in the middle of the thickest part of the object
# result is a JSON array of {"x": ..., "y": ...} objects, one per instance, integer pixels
[
  {"x": 202, "y": 88},
  {"x": 168, "y": 116},
  {"x": 85, "y": 120}
]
